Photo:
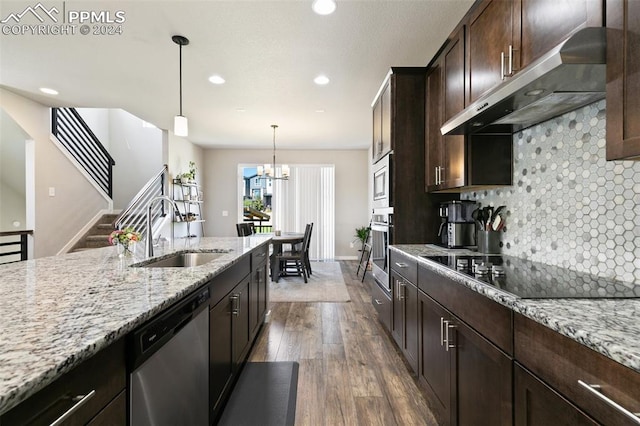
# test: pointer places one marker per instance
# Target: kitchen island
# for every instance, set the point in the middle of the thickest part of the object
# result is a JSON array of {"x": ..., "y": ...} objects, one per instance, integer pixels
[{"x": 59, "y": 311}]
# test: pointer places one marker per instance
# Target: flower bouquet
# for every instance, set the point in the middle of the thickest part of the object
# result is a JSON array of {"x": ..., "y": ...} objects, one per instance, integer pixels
[{"x": 125, "y": 240}]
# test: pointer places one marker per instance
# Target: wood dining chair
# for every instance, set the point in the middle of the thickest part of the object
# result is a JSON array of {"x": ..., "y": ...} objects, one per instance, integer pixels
[{"x": 294, "y": 260}]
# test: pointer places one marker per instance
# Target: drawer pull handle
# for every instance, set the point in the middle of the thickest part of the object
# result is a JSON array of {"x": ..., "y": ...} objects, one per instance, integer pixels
[
  {"x": 447, "y": 342},
  {"x": 82, "y": 399},
  {"x": 441, "y": 331},
  {"x": 378, "y": 302},
  {"x": 401, "y": 265},
  {"x": 595, "y": 390}
]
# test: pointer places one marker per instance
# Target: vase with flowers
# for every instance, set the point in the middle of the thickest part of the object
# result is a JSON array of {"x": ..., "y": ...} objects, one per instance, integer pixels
[{"x": 124, "y": 240}]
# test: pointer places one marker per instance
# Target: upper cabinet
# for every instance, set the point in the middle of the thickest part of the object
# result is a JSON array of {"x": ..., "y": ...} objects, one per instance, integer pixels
[
  {"x": 623, "y": 79},
  {"x": 454, "y": 162},
  {"x": 445, "y": 155},
  {"x": 382, "y": 123},
  {"x": 504, "y": 36}
]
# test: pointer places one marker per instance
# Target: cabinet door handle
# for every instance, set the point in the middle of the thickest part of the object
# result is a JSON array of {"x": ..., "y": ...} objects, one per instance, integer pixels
[
  {"x": 510, "y": 68},
  {"x": 235, "y": 304},
  {"x": 401, "y": 265},
  {"x": 448, "y": 344},
  {"x": 442, "y": 321},
  {"x": 595, "y": 390},
  {"x": 502, "y": 65},
  {"x": 82, "y": 399},
  {"x": 441, "y": 178},
  {"x": 378, "y": 302},
  {"x": 401, "y": 291}
]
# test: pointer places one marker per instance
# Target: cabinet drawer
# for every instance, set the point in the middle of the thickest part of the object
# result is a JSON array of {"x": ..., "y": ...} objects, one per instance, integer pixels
[
  {"x": 561, "y": 362},
  {"x": 489, "y": 318},
  {"x": 222, "y": 284},
  {"x": 405, "y": 265},
  {"x": 381, "y": 300},
  {"x": 104, "y": 374},
  {"x": 259, "y": 256}
]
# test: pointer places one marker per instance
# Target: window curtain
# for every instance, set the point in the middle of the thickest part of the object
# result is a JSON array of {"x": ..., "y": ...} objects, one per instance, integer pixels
[{"x": 308, "y": 196}]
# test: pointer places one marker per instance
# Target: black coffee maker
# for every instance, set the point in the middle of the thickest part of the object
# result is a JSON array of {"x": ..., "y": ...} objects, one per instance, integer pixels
[{"x": 457, "y": 227}]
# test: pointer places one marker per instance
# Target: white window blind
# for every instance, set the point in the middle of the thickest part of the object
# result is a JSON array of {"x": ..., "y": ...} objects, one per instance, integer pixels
[{"x": 308, "y": 196}]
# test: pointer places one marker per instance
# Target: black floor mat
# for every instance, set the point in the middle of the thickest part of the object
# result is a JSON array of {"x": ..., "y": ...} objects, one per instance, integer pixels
[{"x": 264, "y": 395}]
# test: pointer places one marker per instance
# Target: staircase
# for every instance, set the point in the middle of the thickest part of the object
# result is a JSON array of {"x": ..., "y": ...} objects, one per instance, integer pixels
[{"x": 98, "y": 235}]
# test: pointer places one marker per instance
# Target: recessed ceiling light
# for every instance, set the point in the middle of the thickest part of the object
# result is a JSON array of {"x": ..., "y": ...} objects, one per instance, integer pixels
[
  {"x": 323, "y": 7},
  {"x": 319, "y": 110},
  {"x": 321, "y": 80},
  {"x": 241, "y": 109},
  {"x": 216, "y": 79},
  {"x": 48, "y": 91}
]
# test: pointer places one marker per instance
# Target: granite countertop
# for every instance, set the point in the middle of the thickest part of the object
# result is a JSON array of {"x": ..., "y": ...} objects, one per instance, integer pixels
[
  {"x": 57, "y": 311},
  {"x": 608, "y": 326}
]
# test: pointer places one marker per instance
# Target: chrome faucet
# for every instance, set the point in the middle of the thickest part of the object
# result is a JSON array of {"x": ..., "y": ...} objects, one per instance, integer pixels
[{"x": 149, "y": 251}]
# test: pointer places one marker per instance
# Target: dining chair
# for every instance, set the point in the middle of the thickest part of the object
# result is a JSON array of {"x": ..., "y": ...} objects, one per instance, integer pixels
[
  {"x": 294, "y": 260},
  {"x": 244, "y": 229}
]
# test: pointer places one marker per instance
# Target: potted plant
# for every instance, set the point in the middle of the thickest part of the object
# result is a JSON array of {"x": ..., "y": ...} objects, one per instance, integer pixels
[
  {"x": 192, "y": 171},
  {"x": 362, "y": 234}
]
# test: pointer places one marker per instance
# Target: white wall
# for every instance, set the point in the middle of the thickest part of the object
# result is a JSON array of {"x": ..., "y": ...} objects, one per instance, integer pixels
[
  {"x": 12, "y": 174},
  {"x": 137, "y": 151},
  {"x": 179, "y": 151},
  {"x": 76, "y": 201},
  {"x": 98, "y": 121},
  {"x": 351, "y": 192}
]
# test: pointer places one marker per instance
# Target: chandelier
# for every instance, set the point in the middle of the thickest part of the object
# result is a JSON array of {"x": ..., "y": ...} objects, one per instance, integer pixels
[{"x": 268, "y": 171}]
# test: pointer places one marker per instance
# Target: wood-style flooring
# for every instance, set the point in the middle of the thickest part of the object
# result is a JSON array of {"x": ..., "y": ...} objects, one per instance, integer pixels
[{"x": 350, "y": 371}]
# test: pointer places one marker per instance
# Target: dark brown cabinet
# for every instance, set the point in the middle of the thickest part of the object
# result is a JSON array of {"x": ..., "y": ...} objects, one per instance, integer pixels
[
  {"x": 465, "y": 342},
  {"x": 453, "y": 162},
  {"x": 404, "y": 324},
  {"x": 382, "y": 123},
  {"x": 623, "y": 79},
  {"x": 467, "y": 378},
  {"x": 445, "y": 159},
  {"x": 381, "y": 301},
  {"x": 95, "y": 388},
  {"x": 504, "y": 36},
  {"x": 536, "y": 404},
  {"x": 595, "y": 385},
  {"x": 230, "y": 331},
  {"x": 259, "y": 290}
]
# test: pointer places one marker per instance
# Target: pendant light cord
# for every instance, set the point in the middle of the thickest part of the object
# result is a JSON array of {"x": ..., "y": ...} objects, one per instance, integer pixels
[{"x": 180, "y": 79}]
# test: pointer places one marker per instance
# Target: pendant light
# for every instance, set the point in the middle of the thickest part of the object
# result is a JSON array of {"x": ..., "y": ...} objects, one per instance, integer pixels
[
  {"x": 268, "y": 171},
  {"x": 180, "y": 122}
]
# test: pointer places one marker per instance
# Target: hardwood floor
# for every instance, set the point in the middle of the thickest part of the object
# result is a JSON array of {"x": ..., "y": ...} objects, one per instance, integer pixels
[{"x": 350, "y": 371}]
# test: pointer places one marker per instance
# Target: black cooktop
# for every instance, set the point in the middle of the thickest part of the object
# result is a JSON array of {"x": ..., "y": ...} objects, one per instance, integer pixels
[{"x": 533, "y": 280}]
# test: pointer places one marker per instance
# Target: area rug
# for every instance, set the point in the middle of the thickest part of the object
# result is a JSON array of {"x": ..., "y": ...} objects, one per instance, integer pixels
[{"x": 325, "y": 285}]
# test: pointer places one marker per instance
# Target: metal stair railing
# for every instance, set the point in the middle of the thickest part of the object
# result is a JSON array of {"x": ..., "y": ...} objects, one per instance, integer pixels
[
  {"x": 134, "y": 215},
  {"x": 75, "y": 135}
]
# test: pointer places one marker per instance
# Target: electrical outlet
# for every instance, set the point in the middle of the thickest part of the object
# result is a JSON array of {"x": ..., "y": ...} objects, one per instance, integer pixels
[
  {"x": 52, "y": 191},
  {"x": 351, "y": 244},
  {"x": 225, "y": 213}
]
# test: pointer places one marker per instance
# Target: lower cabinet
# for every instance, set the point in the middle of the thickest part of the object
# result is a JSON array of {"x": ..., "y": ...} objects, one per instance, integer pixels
[
  {"x": 536, "y": 404},
  {"x": 468, "y": 379},
  {"x": 92, "y": 393},
  {"x": 228, "y": 343},
  {"x": 258, "y": 290},
  {"x": 381, "y": 301},
  {"x": 404, "y": 321}
]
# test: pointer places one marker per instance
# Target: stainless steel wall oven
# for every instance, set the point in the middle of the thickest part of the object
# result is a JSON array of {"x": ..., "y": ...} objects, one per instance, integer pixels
[{"x": 381, "y": 237}]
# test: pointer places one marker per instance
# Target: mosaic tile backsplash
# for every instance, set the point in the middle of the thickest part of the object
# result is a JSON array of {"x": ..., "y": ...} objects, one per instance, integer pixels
[{"x": 569, "y": 206}]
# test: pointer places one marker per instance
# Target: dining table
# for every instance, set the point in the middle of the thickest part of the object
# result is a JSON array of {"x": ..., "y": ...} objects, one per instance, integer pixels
[{"x": 277, "y": 241}]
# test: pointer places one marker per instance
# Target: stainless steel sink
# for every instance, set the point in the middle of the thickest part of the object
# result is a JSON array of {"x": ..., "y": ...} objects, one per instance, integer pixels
[{"x": 182, "y": 260}]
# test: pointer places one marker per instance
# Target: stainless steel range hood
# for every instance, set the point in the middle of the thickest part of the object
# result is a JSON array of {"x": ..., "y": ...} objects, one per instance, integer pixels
[{"x": 571, "y": 75}]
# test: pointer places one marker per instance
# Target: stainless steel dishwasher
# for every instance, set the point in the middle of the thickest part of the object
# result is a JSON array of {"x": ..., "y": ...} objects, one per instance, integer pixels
[{"x": 169, "y": 383}]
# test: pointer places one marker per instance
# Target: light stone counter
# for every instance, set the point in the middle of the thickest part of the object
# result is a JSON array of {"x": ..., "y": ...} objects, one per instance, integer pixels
[
  {"x": 57, "y": 311},
  {"x": 608, "y": 326}
]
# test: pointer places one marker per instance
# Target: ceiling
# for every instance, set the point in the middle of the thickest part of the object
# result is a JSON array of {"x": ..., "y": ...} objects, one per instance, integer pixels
[{"x": 268, "y": 52}]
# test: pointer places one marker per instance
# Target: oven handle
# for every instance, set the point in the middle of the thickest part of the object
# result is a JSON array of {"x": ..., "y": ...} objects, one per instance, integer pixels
[{"x": 380, "y": 226}]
